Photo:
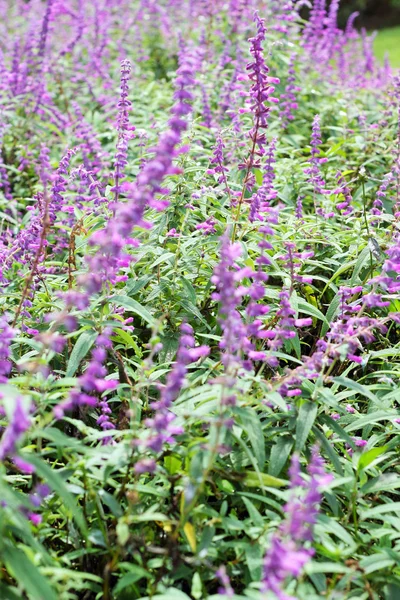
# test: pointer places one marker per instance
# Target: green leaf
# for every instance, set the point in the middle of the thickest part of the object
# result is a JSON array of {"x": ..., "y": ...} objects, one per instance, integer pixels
[
  {"x": 330, "y": 314},
  {"x": 7, "y": 593},
  {"x": 133, "y": 306},
  {"x": 374, "y": 417},
  {"x": 279, "y": 454},
  {"x": 385, "y": 482},
  {"x": 392, "y": 592},
  {"x": 305, "y": 420},
  {"x": 363, "y": 259},
  {"x": 313, "y": 311},
  {"x": 253, "y": 553},
  {"x": 27, "y": 574},
  {"x": 252, "y": 425},
  {"x": 135, "y": 574},
  {"x": 368, "y": 457},
  {"x": 377, "y": 511},
  {"x": 252, "y": 479},
  {"x": 357, "y": 387},
  {"x": 170, "y": 594},
  {"x": 79, "y": 351}
]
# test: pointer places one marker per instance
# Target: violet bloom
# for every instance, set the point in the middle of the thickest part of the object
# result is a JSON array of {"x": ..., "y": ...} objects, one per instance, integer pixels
[
  {"x": 6, "y": 336},
  {"x": 109, "y": 257},
  {"x": 93, "y": 382},
  {"x": 162, "y": 427},
  {"x": 219, "y": 167},
  {"x": 125, "y": 130},
  {"x": 315, "y": 178},
  {"x": 377, "y": 207},
  {"x": 226, "y": 589},
  {"x": 19, "y": 424},
  {"x": 260, "y": 93},
  {"x": 56, "y": 203},
  {"x": 227, "y": 278},
  {"x": 288, "y": 553},
  {"x": 288, "y": 103},
  {"x": 344, "y": 207}
]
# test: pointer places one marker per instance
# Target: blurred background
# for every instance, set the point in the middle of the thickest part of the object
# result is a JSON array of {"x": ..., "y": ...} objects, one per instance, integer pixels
[
  {"x": 380, "y": 15},
  {"x": 373, "y": 13}
]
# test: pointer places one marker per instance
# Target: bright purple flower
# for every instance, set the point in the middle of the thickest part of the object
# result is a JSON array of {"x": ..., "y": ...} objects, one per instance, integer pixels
[
  {"x": 161, "y": 426},
  {"x": 125, "y": 130},
  {"x": 287, "y": 554},
  {"x": 19, "y": 424},
  {"x": 260, "y": 94}
]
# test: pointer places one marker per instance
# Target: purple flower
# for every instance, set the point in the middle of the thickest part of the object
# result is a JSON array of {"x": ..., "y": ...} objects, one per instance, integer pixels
[
  {"x": 109, "y": 257},
  {"x": 288, "y": 101},
  {"x": 19, "y": 424},
  {"x": 161, "y": 426},
  {"x": 7, "y": 333},
  {"x": 287, "y": 554},
  {"x": 315, "y": 178},
  {"x": 125, "y": 130},
  {"x": 260, "y": 93},
  {"x": 226, "y": 589}
]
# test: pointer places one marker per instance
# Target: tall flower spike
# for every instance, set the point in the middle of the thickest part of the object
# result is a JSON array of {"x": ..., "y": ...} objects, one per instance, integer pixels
[
  {"x": 261, "y": 91},
  {"x": 315, "y": 178},
  {"x": 125, "y": 131},
  {"x": 287, "y": 554},
  {"x": 109, "y": 257},
  {"x": 162, "y": 427}
]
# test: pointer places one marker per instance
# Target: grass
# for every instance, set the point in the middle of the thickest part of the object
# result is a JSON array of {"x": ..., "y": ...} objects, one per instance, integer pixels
[{"x": 388, "y": 41}]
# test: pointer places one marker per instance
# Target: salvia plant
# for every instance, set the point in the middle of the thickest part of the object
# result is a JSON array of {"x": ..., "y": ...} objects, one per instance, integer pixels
[{"x": 200, "y": 309}]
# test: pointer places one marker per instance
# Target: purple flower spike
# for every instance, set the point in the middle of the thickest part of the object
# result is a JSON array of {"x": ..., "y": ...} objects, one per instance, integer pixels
[
  {"x": 20, "y": 423},
  {"x": 287, "y": 554}
]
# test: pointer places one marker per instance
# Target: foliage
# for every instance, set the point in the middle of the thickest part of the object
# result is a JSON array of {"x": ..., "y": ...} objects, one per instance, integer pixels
[{"x": 200, "y": 278}]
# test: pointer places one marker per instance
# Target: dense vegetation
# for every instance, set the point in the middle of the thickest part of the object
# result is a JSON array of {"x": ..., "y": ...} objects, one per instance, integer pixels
[{"x": 200, "y": 311}]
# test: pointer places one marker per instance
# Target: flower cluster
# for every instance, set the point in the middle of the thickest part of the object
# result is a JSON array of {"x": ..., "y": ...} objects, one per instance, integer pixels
[
  {"x": 162, "y": 428},
  {"x": 288, "y": 554}
]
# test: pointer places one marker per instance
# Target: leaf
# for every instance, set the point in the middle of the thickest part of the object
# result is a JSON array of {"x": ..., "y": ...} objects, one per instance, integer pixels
[
  {"x": 392, "y": 592},
  {"x": 357, "y": 387},
  {"x": 79, "y": 351},
  {"x": 253, "y": 553},
  {"x": 27, "y": 574},
  {"x": 377, "y": 511},
  {"x": 170, "y": 594},
  {"x": 279, "y": 454},
  {"x": 252, "y": 425},
  {"x": 7, "y": 593},
  {"x": 305, "y": 421},
  {"x": 325, "y": 567},
  {"x": 135, "y": 574},
  {"x": 254, "y": 514},
  {"x": 368, "y": 457},
  {"x": 330, "y": 314},
  {"x": 365, "y": 257},
  {"x": 252, "y": 479},
  {"x": 332, "y": 424},
  {"x": 135, "y": 307},
  {"x": 313, "y": 311},
  {"x": 385, "y": 482},
  {"x": 190, "y": 535},
  {"x": 374, "y": 417}
]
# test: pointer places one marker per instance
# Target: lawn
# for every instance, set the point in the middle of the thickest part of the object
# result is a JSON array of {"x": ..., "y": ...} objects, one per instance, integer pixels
[{"x": 388, "y": 40}]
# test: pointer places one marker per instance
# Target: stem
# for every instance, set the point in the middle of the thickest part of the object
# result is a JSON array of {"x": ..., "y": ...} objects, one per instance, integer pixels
[
  {"x": 39, "y": 252},
  {"x": 246, "y": 178}
]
